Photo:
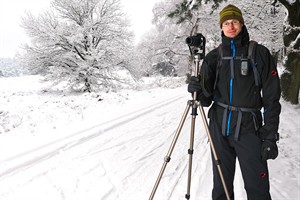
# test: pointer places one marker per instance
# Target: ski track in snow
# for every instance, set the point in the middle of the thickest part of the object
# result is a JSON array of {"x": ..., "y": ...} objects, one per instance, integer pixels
[
  {"x": 70, "y": 142},
  {"x": 114, "y": 145}
]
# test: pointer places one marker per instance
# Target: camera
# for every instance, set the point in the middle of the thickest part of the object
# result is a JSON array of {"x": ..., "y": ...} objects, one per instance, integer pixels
[{"x": 196, "y": 41}]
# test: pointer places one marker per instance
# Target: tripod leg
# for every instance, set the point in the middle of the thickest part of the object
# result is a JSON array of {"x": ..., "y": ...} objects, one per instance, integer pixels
[
  {"x": 191, "y": 150},
  {"x": 168, "y": 156},
  {"x": 217, "y": 161}
]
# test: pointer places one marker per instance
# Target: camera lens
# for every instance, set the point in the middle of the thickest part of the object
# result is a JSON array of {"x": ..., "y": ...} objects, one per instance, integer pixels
[{"x": 195, "y": 40}]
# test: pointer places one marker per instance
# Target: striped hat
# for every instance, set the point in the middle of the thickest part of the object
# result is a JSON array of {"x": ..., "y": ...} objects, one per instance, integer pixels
[{"x": 231, "y": 12}]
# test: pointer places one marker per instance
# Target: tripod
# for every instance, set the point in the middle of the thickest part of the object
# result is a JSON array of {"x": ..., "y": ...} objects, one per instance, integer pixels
[{"x": 199, "y": 42}]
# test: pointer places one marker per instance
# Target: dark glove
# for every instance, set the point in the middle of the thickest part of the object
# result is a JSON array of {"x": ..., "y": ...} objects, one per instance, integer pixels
[
  {"x": 269, "y": 150},
  {"x": 194, "y": 85}
]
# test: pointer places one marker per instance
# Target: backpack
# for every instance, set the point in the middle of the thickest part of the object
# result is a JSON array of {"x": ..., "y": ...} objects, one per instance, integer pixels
[{"x": 250, "y": 57}]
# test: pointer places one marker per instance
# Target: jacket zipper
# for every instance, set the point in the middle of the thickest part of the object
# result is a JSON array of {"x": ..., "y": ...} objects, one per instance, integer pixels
[{"x": 232, "y": 46}]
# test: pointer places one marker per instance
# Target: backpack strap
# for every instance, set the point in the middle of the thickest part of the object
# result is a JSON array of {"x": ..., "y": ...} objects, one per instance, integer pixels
[
  {"x": 239, "y": 110},
  {"x": 251, "y": 57},
  {"x": 251, "y": 47}
]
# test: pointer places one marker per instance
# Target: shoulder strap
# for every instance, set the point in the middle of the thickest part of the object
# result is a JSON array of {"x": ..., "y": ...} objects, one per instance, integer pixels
[
  {"x": 252, "y": 48},
  {"x": 251, "y": 56}
]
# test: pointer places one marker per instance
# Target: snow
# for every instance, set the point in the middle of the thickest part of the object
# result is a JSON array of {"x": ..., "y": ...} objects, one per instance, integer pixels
[{"x": 66, "y": 146}]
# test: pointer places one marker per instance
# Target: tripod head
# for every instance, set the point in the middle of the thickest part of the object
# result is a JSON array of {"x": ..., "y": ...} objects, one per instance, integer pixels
[
  {"x": 196, "y": 45},
  {"x": 197, "y": 48}
]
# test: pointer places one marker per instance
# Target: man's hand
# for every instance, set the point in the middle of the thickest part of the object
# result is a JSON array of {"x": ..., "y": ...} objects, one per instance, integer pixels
[
  {"x": 269, "y": 150},
  {"x": 194, "y": 85}
]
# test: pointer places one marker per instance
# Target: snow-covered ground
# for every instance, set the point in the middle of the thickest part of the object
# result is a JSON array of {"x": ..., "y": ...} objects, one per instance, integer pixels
[{"x": 66, "y": 146}]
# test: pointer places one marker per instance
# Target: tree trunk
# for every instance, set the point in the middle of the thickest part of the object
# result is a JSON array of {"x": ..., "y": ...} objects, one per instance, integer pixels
[{"x": 290, "y": 80}]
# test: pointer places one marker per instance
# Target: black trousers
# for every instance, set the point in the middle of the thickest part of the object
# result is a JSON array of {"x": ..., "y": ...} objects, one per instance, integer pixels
[{"x": 254, "y": 171}]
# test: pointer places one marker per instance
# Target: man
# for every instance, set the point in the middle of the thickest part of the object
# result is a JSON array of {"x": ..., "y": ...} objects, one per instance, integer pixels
[{"x": 239, "y": 89}]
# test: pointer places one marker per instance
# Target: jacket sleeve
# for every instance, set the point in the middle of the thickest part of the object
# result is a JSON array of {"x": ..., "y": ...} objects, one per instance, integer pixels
[
  {"x": 271, "y": 93},
  {"x": 207, "y": 77},
  {"x": 205, "y": 101},
  {"x": 208, "y": 73}
]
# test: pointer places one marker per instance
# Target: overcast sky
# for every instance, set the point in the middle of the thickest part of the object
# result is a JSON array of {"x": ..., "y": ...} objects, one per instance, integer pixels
[{"x": 12, "y": 35}]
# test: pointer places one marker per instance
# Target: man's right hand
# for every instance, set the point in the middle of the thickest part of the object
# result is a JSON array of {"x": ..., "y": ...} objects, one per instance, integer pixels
[{"x": 194, "y": 85}]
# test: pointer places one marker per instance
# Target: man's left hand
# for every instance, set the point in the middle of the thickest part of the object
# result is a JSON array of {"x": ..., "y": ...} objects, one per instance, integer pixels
[{"x": 269, "y": 150}]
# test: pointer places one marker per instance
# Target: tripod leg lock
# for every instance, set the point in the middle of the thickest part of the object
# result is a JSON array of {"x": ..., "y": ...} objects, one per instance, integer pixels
[
  {"x": 167, "y": 159},
  {"x": 194, "y": 111},
  {"x": 218, "y": 162},
  {"x": 190, "y": 151}
]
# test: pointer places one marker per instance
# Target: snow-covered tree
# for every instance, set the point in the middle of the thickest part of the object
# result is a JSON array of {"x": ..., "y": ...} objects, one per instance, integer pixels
[
  {"x": 264, "y": 23},
  {"x": 162, "y": 46},
  {"x": 166, "y": 43},
  {"x": 81, "y": 41}
]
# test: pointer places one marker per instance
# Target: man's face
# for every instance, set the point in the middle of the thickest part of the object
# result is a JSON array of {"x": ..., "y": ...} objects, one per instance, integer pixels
[{"x": 231, "y": 28}]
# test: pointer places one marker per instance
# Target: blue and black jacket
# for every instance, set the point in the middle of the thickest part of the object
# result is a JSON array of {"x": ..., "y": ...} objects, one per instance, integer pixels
[{"x": 238, "y": 94}]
